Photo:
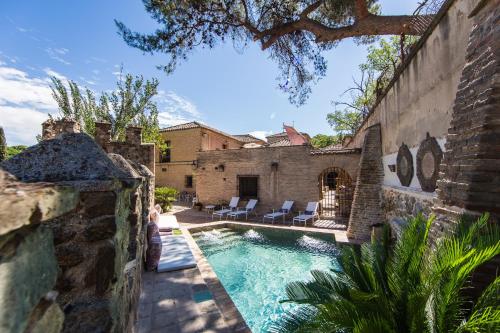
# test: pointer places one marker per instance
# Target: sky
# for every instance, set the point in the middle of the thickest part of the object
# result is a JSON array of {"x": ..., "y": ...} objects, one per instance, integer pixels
[{"x": 225, "y": 88}]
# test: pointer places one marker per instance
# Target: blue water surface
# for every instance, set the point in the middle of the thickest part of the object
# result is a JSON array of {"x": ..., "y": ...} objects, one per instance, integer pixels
[{"x": 255, "y": 266}]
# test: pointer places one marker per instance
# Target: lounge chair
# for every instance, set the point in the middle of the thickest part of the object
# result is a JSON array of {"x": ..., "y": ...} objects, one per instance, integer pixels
[
  {"x": 249, "y": 208},
  {"x": 280, "y": 213},
  {"x": 310, "y": 213},
  {"x": 233, "y": 204}
]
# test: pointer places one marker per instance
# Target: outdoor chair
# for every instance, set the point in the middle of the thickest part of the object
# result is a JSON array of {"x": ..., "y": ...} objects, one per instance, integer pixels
[
  {"x": 310, "y": 213},
  {"x": 280, "y": 213},
  {"x": 233, "y": 204},
  {"x": 249, "y": 208}
]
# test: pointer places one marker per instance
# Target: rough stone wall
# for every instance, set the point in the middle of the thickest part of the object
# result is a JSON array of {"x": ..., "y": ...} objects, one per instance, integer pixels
[
  {"x": 470, "y": 170},
  {"x": 51, "y": 128},
  {"x": 28, "y": 266},
  {"x": 398, "y": 205},
  {"x": 366, "y": 207},
  {"x": 295, "y": 178},
  {"x": 97, "y": 245},
  {"x": 132, "y": 148}
]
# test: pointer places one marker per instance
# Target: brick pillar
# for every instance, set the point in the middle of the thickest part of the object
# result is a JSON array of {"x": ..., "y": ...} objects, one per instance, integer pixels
[
  {"x": 51, "y": 128},
  {"x": 366, "y": 207},
  {"x": 102, "y": 134},
  {"x": 470, "y": 169}
]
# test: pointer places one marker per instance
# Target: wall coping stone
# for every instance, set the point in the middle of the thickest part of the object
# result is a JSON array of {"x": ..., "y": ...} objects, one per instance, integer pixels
[{"x": 413, "y": 192}]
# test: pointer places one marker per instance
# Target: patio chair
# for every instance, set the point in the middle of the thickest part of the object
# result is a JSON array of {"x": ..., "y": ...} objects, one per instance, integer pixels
[
  {"x": 282, "y": 212},
  {"x": 310, "y": 213},
  {"x": 250, "y": 207},
  {"x": 233, "y": 204}
]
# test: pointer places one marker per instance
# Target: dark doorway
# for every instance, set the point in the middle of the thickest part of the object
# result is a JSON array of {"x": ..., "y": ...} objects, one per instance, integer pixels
[{"x": 336, "y": 193}]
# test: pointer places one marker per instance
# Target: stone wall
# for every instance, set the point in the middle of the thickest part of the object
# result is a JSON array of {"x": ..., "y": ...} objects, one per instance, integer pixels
[
  {"x": 470, "y": 170},
  {"x": 285, "y": 173},
  {"x": 95, "y": 242},
  {"x": 132, "y": 148},
  {"x": 367, "y": 203}
]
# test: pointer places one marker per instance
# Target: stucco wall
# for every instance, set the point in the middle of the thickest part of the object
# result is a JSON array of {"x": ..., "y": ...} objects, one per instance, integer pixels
[
  {"x": 184, "y": 144},
  {"x": 173, "y": 175},
  {"x": 296, "y": 177}
]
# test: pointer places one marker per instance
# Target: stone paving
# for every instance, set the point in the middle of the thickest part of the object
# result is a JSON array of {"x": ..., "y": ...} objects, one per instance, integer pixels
[
  {"x": 168, "y": 304},
  {"x": 194, "y": 300}
]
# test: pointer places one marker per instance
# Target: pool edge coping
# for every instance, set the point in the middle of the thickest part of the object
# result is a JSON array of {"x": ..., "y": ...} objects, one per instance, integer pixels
[{"x": 223, "y": 301}]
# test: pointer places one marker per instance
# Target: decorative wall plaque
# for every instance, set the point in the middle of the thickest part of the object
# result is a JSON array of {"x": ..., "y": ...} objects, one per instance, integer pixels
[
  {"x": 429, "y": 157},
  {"x": 404, "y": 165}
]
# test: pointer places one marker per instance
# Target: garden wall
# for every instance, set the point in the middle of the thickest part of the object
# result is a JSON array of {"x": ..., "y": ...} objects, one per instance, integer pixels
[
  {"x": 71, "y": 256},
  {"x": 416, "y": 110}
]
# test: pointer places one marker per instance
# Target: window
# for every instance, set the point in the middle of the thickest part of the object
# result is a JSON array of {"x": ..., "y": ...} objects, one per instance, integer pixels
[
  {"x": 188, "y": 182},
  {"x": 248, "y": 187},
  {"x": 165, "y": 153},
  {"x": 224, "y": 146}
]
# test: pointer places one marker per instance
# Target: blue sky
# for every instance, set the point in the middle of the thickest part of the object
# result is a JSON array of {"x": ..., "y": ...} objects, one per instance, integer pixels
[{"x": 230, "y": 90}]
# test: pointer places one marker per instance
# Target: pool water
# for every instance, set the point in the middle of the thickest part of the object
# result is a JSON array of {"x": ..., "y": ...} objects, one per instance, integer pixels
[{"x": 255, "y": 265}]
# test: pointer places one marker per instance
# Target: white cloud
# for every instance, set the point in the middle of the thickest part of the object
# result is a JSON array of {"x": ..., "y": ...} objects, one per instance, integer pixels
[
  {"x": 273, "y": 115},
  {"x": 25, "y": 102},
  {"x": 57, "y": 53},
  {"x": 261, "y": 134},
  {"x": 51, "y": 72},
  {"x": 175, "y": 109},
  {"x": 21, "y": 125}
]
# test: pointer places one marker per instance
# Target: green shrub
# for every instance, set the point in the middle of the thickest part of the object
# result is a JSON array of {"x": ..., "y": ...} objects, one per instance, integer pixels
[{"x": 164, "y": 196}]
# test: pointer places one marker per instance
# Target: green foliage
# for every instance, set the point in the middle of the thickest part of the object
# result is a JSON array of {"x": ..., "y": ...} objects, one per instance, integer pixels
[
  {"x": 376, "y": 73},
  {"x": 403, "y": 287},
  {"x": 344, "y": 122},
  {"x": 14, "y": 150},
  {"x": 323, "y": 140},
  {"x": 295, "y": 33},
  {"x": 164, "y": 196},
  {"x": 132, "y": 103},
  {"x": 3, "y": 145}
]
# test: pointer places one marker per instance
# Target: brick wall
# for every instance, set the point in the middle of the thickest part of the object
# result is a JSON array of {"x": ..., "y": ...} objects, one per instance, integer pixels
[
  {"x": 367, "y": 202},
  {"x": 294, "y": 176},
  {"x": 470, "y": 169}
]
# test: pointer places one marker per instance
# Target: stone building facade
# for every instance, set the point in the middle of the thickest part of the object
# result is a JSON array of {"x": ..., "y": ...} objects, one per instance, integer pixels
[
  {"x": 176, "y": 165},
  {"x": 438, "y": 119},
  {"x": 77, "y": 215},
  {"x": 281, "y": 173}
]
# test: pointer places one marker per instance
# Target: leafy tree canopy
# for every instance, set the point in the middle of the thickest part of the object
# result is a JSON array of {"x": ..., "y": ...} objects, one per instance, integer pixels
[
  {"x": 323, "y": 140},
  {"x": 131, "y": 103},
  {"x": 295, "y": 33},
  {"x": 14, "y": 150},
  {"x": 376, "y": 73}
]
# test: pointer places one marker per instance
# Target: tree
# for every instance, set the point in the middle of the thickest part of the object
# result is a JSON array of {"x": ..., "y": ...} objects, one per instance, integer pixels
[
  {"x": 132, "y": 103},
  {"x": 3, "y": 145},
  {"x": 376, "y": 73},
  {"x": 323, "y": 140},
  {"x": 406, "y": 286},
  {"x": 14, "y": 150},
  {"x": 294, "y": 32}
]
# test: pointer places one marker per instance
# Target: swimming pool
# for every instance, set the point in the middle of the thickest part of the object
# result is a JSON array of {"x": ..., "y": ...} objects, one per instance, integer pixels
[{"x": 255, "y": 265}]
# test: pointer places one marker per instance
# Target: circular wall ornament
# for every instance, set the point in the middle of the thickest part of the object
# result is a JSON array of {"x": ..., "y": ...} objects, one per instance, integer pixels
[
  {"x": 404, "y": 165},
  {"x": 429, "y": 157}
]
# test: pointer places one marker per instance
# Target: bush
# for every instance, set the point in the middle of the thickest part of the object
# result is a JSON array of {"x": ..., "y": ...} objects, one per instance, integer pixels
[{"x": 164, "y": 197}]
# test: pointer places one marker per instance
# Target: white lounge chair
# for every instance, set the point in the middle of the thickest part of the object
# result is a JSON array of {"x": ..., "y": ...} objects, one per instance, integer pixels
[
  {"x": 310, "y": 213},
  {"x": 282, "y": 212},
  {"x": 233, "y": 204},
  {"x": 249, "y": 208}
]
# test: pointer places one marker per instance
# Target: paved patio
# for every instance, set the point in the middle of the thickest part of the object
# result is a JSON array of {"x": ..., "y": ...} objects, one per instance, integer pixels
[{"x": 193, "y": 300}]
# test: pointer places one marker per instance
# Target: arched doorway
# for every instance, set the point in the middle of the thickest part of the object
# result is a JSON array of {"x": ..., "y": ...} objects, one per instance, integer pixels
[{"x": 336, "y": 190}]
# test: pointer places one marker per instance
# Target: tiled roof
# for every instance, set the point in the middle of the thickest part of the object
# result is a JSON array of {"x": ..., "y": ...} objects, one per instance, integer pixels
[
  {"x": 280, "y": 143},
  {"x": 247, "y": 138},
  {"x": 195, "y": 124},
  {"x": 280, "y": 136},
  {"x": 335, "y": 149}
]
